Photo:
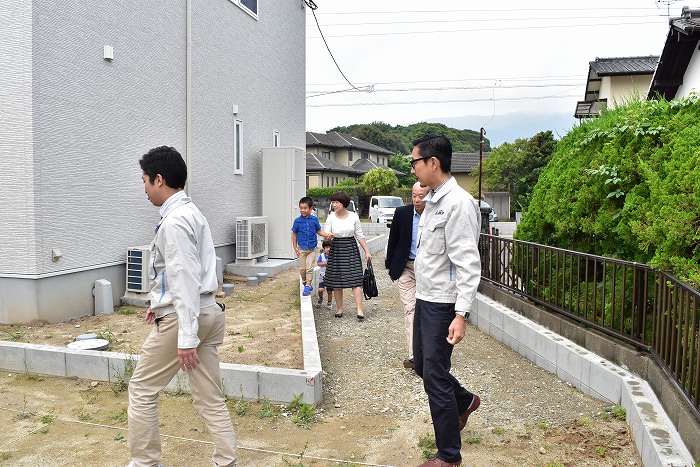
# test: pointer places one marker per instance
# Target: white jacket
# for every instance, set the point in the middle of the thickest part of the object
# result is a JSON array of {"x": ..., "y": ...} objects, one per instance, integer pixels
[
  {"x": 448, "y": 267},
  {"x": 183, "y": 267}
]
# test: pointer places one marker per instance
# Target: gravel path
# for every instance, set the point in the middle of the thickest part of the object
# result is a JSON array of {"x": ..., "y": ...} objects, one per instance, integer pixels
[{"x": 364, "y": 375}]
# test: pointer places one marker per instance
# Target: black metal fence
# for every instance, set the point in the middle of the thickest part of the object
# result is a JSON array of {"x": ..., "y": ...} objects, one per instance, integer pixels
[{"x": 633, "y": 302}]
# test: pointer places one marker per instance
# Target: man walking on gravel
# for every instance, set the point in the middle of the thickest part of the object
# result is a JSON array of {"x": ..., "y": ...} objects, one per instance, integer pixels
[
  {"x": 188, "y": 323},
  {"x": 400, "y": 257},
  {"x": 448, "y": 271}
]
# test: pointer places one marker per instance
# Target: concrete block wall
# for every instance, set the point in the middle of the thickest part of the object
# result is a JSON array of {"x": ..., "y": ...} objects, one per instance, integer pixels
[{"x": 657, "y": 440}]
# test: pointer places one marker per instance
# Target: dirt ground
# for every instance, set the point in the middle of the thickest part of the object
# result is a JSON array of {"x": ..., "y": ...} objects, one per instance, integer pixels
[{"x": 374, "y": 412}]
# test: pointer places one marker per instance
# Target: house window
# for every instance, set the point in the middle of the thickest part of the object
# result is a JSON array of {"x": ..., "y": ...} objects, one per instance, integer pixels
[
  {"x": 365, "y": 155},
  {"x": 307, "y": 181},
  {"x": 275, "y": 139},
  {"x": 326, "y": 155},
  {"x": 349, "y": 156},
  {"x": 249, "y": 6},
  {"x": 237, "y": 153}
]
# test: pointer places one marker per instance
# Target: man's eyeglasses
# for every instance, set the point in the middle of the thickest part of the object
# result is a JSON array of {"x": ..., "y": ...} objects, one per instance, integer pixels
[{"x": 415, "y": 161}]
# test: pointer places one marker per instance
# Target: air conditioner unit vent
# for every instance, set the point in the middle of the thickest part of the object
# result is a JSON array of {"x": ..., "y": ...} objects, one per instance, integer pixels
[
  {"x": 138, "y": 263},
  {"x": 251, "y": 237}
]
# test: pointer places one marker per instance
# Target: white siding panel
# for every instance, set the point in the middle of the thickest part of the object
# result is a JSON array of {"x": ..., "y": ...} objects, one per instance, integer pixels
[
  {"x": 257, "y": 65},
  {"x": 17, "y": 226},
  {"x": 93, "y": 119},
  {"x": 691, "y": 79}
]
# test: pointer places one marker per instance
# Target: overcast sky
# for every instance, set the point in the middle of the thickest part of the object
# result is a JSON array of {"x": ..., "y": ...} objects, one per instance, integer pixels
[{"x": 452, "y": 58}]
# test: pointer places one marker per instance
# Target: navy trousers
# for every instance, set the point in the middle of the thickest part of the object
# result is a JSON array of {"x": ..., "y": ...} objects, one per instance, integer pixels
[{"x": 432, "y": 359}]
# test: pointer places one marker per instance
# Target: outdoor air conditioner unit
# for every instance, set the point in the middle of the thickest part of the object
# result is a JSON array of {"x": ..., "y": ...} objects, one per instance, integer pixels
[
  {"x": 251, "y": 238},
  {"x": 138, "y": 265}
]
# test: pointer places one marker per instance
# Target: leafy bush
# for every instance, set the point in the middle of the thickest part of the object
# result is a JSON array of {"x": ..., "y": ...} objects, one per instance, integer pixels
[{"x": 626, "y": 185}]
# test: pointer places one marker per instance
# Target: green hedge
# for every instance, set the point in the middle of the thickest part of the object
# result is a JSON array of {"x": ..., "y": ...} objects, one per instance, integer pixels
[{"x": 626, "y": 185}]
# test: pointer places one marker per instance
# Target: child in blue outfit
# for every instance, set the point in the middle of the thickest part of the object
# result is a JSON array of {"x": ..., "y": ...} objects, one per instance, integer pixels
[
  {"x": 322, "y": 262},
  {"x": 304, "y": 239}
]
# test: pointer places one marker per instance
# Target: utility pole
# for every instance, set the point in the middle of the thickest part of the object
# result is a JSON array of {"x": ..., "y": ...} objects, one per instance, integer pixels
[{"x": 481, "y": 156}]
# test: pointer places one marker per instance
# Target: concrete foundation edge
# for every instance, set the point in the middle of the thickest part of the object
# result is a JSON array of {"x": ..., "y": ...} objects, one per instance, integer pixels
[{"x": 655, "y": 436}]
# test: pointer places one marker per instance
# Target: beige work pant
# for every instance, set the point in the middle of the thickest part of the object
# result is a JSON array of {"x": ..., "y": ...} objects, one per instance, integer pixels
[
  {"x": 158, "y": 365},
  {"x": 307, "y": 262},
  {"x": 407, "y": 293}
]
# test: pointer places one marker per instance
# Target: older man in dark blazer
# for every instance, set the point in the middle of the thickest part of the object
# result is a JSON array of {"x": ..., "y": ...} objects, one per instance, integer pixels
[{"x": 400, "y": 253}]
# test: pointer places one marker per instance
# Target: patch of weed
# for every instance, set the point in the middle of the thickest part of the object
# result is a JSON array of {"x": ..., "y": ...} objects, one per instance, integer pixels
[
  {"x": 474, "y": 440},
  {"x": 585, "y": 422},
  {"x": 5, "y": 455},
  {"x": 427, "y": 445},
  {"x": 619, "y": 412},
  {"x": 119, "y": 417},
  {"x": 119, "y": 437},
  {"x": 240, "y": 349},
  {"x": 239, "y": 406},
  {"x": 124, "y": 310},
  {"x": 303, "y": 414},
  {"x": 542, "y": 425},
  {"x": 601, "y": 451},
  {"x": 123, "y": 377},
  {"x": 267, "y": 409},
  {"x": 48, "y": 336},
  {"x": 250, "y": 335},
  {"x": 498, "y": 431},
  {"x": 48, "y": 418}
]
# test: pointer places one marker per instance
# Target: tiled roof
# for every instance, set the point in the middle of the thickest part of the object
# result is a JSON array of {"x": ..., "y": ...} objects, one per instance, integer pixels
[
  {"x": 365, "y": 165},
  {"x": 336, "y": 139},
  {"x": 624, "y": 65},
  {"x": 679, "y": 49},
  {"x": 319, "y": 164},
  {"x": 466, "y": 162}
]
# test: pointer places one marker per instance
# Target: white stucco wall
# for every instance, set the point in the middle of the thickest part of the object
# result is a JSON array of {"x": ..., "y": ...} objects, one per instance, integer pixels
[
  {"x": 691, "y": 79},
  {"x": 620, "y": 89}
]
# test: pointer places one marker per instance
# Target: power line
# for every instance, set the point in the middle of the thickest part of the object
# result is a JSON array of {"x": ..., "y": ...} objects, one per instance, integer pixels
[
  {"x": 479, "y": 10},
  {"x": 453, "y": 88},
  {"x": 500, "y": 20},
  {"x": 490, "y": 79},
  {"x": 448, "y": 101},
  {"x": 313, "y": 7},
  {"x": 500, "y": 29}
]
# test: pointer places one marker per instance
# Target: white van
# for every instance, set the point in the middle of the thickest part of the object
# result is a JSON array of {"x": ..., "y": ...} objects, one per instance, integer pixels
[{"x": 381, "y": 208}]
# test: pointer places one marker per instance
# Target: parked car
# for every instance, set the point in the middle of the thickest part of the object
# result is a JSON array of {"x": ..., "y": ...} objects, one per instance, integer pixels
[
  {"x": 493, "y": 217},
  {"x": 351, "y": 207},
  {"x": 381, "y": 208}
]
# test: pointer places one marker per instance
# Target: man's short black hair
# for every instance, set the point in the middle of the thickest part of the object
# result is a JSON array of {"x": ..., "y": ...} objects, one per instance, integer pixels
[
  {"x": 307, "y": 201},
  {"x": 167, "y": 162},
  {"x": 437, "y": 146}
]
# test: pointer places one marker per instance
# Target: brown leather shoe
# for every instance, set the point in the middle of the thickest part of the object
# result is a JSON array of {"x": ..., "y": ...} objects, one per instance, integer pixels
[
  {"x": 435, "y": 462},
  {"x": 464, "y": 416},
  {"x": 408, "y": 363}
]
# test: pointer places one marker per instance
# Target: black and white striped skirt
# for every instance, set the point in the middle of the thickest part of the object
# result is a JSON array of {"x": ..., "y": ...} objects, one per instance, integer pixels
[{"x": 344, "y": 269}]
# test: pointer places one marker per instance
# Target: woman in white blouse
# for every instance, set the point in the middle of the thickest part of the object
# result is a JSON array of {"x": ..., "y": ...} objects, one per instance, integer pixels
[{"x": 344, "y": 269}]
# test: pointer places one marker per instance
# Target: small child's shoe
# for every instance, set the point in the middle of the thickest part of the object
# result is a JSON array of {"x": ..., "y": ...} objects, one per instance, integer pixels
[
  {"x": 329, "y": 305},
  {"x": 307, "y": 290}
]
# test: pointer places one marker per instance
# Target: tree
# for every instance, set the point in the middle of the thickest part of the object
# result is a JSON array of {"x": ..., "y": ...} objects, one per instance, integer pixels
[
  {"x": 401, "y": 163},
  {"x": 379, "y": 182},
  {"x": 626, "y": 185},
  {"x": 516, "y": 167}
]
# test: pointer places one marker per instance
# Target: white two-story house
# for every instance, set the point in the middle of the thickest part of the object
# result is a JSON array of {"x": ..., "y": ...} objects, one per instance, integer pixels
[{"x": 88, "y": 87}]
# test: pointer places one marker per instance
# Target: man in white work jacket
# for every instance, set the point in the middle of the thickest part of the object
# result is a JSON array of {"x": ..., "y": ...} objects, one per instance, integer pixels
[
  {"x": 448, "y": 271},
  {"x": 188, "y": 325}
]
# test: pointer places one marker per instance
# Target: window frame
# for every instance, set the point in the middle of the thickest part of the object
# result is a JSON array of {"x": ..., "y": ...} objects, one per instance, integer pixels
[
  {"x": 237, "y": 146},
  {"x": 251, "y": 13}
]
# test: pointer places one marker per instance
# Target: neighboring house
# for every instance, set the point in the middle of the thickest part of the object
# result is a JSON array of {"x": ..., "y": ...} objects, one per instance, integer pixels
[
  {"x": 463, "y": 166},
  {"x": 342, "y": 150},
  {"x": 612, "y": 81},
  {"x": 88, "y": 87},
  {"x": 321, "y": 171},
  {"x": 678, "y": 73}
]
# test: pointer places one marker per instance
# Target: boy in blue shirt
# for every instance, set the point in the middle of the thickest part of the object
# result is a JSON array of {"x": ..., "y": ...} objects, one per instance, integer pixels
[{"x": 304, "y": 240}]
